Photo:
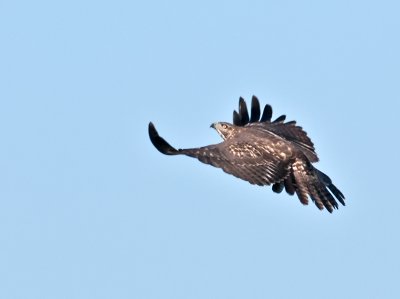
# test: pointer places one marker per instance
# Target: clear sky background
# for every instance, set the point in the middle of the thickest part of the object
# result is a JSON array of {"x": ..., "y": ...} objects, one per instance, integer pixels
[{"x": 90, "y": 209}]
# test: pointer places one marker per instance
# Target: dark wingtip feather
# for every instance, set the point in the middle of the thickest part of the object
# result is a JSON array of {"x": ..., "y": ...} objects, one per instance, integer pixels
[
  {"x": 323, "y": 194},
  {"x": 329, "y": 207},
  {"x": 277, "y": 187},
  {"x": 292, "y": 122},
  {"x": 236, "y": 119},
  {"x": 244, "y": 114},
  {"x": 255, "y": 110},
  {"x": 160, "y": 144},
  {"x": 328, "y": 182},
  {"x": 280, "y": 119},
  {"x": 267, "y": 113},
  {"x": 319, "y": 204},
  {"x": 339, "y": 195}
]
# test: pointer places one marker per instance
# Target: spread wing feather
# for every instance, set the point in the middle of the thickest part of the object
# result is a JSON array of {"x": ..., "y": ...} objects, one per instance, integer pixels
[
  {"x": 255, "y": 110},
  {"x": 328, "y": 183},
  {"x": 236, "y": 119},
  {"x": 244, "y": 114},
  {"x": 280, "y": 119},
  {"x": 315, "y": 184},
  {"x": 296, "y": 135},
  {"x": 267, "y": 114},
  {"x": 287, "y": 130},
  {"x": 236, "y": 159},
  {"x": 289, "y": 184}
]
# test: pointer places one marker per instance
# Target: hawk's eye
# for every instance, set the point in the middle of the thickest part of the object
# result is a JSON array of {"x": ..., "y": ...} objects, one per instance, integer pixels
[{"x": 224, "y": 126}]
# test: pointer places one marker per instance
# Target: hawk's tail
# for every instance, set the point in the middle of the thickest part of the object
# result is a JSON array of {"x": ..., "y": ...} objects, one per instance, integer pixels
[
  {"x": 307, "y": 181},
  {"x": 160, "y": 143}
]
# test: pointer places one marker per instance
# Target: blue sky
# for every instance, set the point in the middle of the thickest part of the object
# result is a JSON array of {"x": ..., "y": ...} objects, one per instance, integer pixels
[{"x": 88, "y": 207}]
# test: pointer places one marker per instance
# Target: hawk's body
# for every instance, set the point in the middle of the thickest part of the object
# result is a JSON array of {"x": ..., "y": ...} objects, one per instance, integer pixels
[{"x": 264, "y": 152}]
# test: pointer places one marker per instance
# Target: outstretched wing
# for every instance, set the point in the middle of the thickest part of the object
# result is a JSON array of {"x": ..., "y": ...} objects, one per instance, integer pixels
[{"x": 257, "y": 163}]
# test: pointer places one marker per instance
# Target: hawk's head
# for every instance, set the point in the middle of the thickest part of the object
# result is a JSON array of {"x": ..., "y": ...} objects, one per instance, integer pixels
[{"x": 225, "y": 130}]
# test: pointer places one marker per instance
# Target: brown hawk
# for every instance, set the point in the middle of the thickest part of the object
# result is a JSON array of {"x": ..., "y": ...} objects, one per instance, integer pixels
[{"x": 264, "y": 152}]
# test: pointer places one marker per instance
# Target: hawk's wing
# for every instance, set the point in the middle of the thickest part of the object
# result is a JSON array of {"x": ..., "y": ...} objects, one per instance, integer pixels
[
  {"x": 310, "y": 182},
  {"x": 292, "y": 133},
  {"x": 288, "y": 130},
  {"x": 257, "y": 163}
]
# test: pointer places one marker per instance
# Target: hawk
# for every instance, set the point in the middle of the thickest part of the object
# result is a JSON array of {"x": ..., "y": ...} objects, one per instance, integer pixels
[{"x": 264, "y": 152}]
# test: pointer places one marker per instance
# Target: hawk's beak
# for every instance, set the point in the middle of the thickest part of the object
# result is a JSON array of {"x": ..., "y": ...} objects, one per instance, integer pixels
[{"x": 212, "y": 125}]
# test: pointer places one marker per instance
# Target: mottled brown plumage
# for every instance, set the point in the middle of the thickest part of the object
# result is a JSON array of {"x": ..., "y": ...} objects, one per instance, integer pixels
[{"x": 264, "y": 152}]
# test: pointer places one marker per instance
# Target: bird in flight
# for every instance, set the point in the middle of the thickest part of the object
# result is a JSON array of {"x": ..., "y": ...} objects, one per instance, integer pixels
[{"x": 264, "y": 152}]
